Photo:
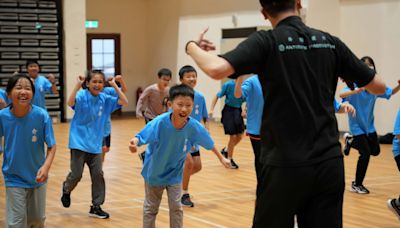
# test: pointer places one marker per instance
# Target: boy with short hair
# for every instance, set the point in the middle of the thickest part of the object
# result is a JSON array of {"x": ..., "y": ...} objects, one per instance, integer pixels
[
  {"x": 168, "y": 136},
  {"x": 42, "y": 83},
  {"x": 188, "y": 76}
]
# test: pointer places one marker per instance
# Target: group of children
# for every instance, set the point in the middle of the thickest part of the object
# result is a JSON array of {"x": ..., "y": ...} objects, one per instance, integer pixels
[{"x": 173, "y": 132}]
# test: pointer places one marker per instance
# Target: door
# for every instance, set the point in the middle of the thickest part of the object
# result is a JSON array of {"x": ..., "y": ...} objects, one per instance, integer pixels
[{"x": 103, "y": 53}]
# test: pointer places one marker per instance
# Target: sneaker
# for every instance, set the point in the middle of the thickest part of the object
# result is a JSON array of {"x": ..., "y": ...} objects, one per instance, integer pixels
[
  {"x": 393, "y": 207},
  {"x": 358, "y": 188},
  {"x": 66, "y": 199},
  {"x": 97, "y": 212},
  {"x": 185, "y": 200},
  {"x": 141, "y": 156},
  {"x": 224, "y": 152},
  {"x": 234, "y": 165},
  {"x": 347, "y": 143}
]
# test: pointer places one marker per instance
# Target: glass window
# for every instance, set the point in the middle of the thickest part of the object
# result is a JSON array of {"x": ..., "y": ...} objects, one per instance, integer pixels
[{"x": 103, "y": 55}]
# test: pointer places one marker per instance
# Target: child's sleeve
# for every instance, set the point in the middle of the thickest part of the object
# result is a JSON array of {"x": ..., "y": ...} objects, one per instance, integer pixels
[
  {"x": 47, "y": 85},
  {"x": 148, "y": 133},
  {"x": 1, "y": 128},
  {"x": 336, "y": 104},
  {"x": 246, "y": 86},
  {"x": 396, "y": 130},
  {"x": 388, "y": 93},
  {"x": 48, "y": 131},
  {"x": 201, "y": 137},
  {"x": 205, "y": 112},
  {"x": 223, "y": 91},
  {"x": 111, "y": 103}
]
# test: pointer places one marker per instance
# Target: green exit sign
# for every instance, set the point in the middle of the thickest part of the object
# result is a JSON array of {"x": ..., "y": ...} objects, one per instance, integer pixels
[{"x": 92, "y": 24}]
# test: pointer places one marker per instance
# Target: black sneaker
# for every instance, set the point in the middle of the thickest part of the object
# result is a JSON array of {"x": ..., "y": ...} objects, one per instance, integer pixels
[
  {"x": 358, "y": 188},
  {"x": 224, "y": 152},
  {"x": 393, "y": 207},
  {"x": 347, "y": 143},
  {"x": 185, "y": 200},
  {"x": 234, "y": 165},
  {"x": 97, "y": 212},
  {"x": 141, "y": 156},
  {"x": 66, "y": 199}
]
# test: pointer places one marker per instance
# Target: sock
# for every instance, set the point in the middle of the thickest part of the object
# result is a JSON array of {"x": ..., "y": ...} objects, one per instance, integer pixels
[{"x": 185, "y": 192}]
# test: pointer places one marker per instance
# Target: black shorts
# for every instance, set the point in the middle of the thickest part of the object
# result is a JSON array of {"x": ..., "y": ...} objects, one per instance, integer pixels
[
  {"x": 195, "y": 153},
  {"x": 107, "y": 140},
  {"x": 232, "y": 120}
]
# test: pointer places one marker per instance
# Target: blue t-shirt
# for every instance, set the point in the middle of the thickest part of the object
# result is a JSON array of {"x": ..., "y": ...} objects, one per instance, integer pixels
[
  {"x": 166, "y": 152},
  {"x": 87, "y": 126},
  {"x": 396, "y": 132},
  {"x": 199, "y": 113},
  {"x": 252, "y": 92},
  {"x": 42, "y": 86},
  {"x": 364, "y": 103},
  {"x": 110, "y": 91},
  {"x": 24, "y": 151},
  {"x": 228, "y": 90},
  {"x": 3, "y": 95},
  {"x": 337, "y": 105}
]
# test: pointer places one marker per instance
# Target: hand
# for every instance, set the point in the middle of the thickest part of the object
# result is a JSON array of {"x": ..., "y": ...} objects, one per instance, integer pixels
[
  {"x": 111, "y": 81},
  {"x": 225, "y": 162},
  {"x": 210, "y": 114},
  {"x": 133, "y": 145},
  {"x": 203, "y": 43},
  {"x": 118, "y": 78},
  {"x": 348, "y": 108},
  {"x": 81, "y": 79},
  {"x": 42, "y": 174},
  {"x": 51, "y": 78}
]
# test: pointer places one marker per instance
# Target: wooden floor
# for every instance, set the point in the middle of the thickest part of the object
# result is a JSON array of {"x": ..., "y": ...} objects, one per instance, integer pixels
[{"x": 222, "y": 197}]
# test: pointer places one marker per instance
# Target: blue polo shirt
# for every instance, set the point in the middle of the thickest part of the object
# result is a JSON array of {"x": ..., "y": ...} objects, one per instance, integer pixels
[
  {"x": 166, "y": 152},
  {"x": 87, "y": 125},
  {"x": 24, "y": 151},
  {"x": 364, "y": 103},
  {"x": 109, "y": 91},
  {"x": 42, "y": 86},
  {"x": 199, "y": 113},
  {"x": 396, "y": 132},
  {"x": 228, "y": 90},
  {"x": 252, "y": 92},
  {"x": 3, "y": 95}
]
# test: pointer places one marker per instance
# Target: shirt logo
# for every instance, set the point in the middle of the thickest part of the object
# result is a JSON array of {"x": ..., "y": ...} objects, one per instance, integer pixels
[
  {"x": 100, "y": 111},
  {"x": 185, "y": 146},
  {"x": 197, "y": 110},
  {"x": 34, "y": 137}
]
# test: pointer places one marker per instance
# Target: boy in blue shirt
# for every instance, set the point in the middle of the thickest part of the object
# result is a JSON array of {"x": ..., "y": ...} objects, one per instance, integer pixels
[
  {"x": 43, "y": 85},
  {"x": 394, "y": 204},
  {"x": 363, "y": 133},
  {"x": 169, "y": 136},
  {"x": 188, "y": 76},
  {"x": 231, "y": 118},
  {"x": 26, "y": 128}
]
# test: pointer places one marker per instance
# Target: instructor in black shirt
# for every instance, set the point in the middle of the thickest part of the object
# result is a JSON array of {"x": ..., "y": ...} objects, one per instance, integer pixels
[{"x": 298, "y": 68}]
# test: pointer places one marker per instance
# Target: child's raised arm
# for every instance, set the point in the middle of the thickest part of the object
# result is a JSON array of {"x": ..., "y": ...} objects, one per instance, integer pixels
[
  {"x": 78, "y": 86},
  {"x": 121, "y": 81},
  {"x": 122, "y": 98}
]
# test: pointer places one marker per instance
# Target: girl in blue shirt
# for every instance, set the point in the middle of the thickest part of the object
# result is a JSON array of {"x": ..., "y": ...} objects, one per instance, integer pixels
[
  {"x": 92, "y": 109},
  {"x": 363, "y": 133},
  {"x": 231, "y": 119},
  {"x": 25, "y": 165},
  {"x": 169, "y": 135}
]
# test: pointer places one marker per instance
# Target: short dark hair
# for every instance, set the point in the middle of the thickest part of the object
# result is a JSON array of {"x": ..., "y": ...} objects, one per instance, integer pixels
[
  {"x": 186, "y": 69},
  {"x": 273, "y": 7},
  {"x": 164, "y": 71},
  {"x": 89, "y": 76},
  {"x": 14, "y": 79},
  {"x": 29, "y": 62},
  {"x": 370, "y": 60},
  {"x": 180, "y": 90}
]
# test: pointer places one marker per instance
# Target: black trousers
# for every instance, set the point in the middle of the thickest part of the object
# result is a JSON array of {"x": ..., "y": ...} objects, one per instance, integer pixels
[
  {"x": 256, "y": 144},
  {"x": 366, "y": 145},
  {"x": 313, "y": 193}
]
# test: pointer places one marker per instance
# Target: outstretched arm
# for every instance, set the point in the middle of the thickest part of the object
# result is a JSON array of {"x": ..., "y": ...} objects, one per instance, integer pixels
[
  {"x": 213, "y": 103},
  {"x": 225, "y": 162},
  {"x": 133, "y": 144},
  {"x": 213, "y": 65}
]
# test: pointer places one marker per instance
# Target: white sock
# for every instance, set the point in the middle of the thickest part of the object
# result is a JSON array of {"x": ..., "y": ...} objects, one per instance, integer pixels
[{"x": 185, "y": 192}]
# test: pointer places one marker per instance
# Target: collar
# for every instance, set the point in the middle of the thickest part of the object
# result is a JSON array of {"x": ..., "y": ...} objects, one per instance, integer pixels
[{"x": 290, "y": 20}]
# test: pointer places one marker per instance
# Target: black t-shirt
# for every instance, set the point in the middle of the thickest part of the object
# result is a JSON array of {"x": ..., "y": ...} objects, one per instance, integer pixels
[{"x": 298, "y": 68}]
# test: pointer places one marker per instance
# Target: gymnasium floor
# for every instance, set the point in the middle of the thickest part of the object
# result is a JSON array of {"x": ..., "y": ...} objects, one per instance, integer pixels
[{"x": 222, "y": 197}]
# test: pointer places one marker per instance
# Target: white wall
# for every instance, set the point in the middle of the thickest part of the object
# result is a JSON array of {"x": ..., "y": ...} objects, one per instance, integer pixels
[
  {"x": 74, "y": 17},
  {"x": 371, "y": 28}
]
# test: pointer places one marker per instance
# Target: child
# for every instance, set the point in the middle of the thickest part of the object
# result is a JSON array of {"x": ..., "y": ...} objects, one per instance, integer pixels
[
  {"x": 188, "y": 76},
  {"x": 168, "y": 136},
  {"x": 92, "y": 109},
  {"x": 250, "y": 89},
  {"x": 231, "y": 119},
  {"x": 394, "y": 204},
  {"x": 43, "y": 85},
  {"x": 107, "y": 129},
  {"x": 364, "y": 137},
  {"x": 151, "y": 102},
  {"x": 25, "y": 128}
]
